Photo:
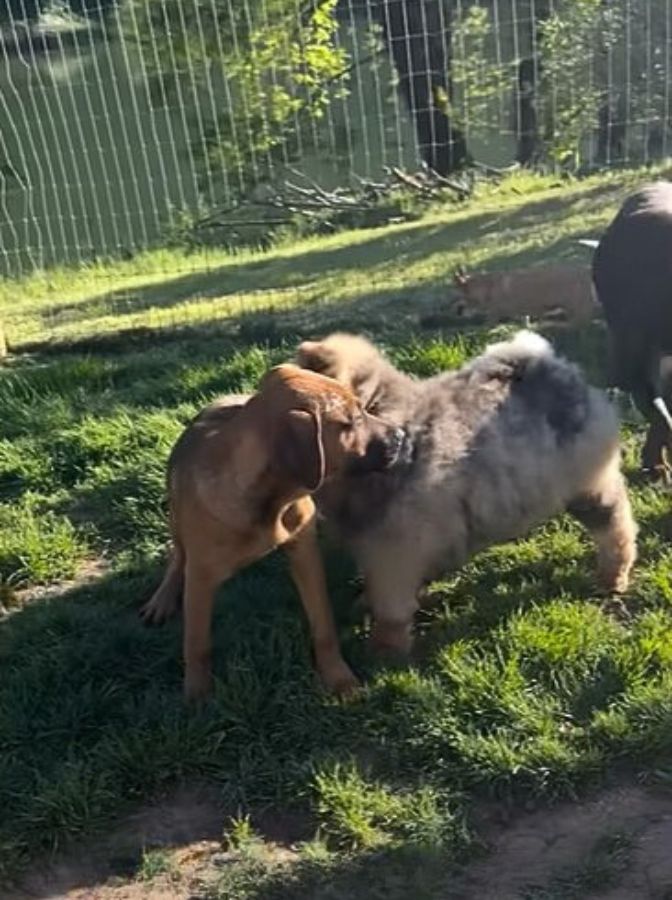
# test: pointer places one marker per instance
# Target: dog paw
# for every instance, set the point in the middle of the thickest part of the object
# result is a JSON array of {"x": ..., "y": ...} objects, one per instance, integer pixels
[
  {"x": 151, "y": 614},
  {"x": 156, "y": 611},
  {"x": 197, "y": 688},
  {"x": 617, "y": 607},
  {"x": 339, "y": 679},
  {"x": 659, "y": 474},
  {"x": 392, "y": 640},
  {"x": 615, "y": 582}
]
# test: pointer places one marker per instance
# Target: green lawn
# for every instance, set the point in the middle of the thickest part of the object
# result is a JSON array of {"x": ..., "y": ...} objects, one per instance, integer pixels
[{"x": 527, "y": 685}]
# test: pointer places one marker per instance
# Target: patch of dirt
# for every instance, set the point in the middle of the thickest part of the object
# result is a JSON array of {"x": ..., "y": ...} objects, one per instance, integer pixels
[
  {"x": 614, "y": 847},
  {"x": 187, "y": 826},
  {"x": 564, "y": 852},
  {"x": 14, "y": 599},
  {"x": 189, "y": 822}
]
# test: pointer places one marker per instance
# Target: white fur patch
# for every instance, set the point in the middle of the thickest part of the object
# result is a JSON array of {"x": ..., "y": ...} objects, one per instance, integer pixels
[{"x": 528, "y": 343}]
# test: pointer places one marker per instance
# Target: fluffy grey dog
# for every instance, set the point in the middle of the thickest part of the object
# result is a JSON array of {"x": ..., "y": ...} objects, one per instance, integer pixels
[{"x": 494, "y": 449}]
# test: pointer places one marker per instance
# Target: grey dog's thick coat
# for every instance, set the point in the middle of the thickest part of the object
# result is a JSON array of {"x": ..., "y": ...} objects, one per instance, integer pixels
[{"x": 503, "y": 444}]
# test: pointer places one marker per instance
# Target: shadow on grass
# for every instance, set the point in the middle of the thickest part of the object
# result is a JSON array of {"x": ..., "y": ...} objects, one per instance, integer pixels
[
  {"x": 93, "y": 728},
  {"x": 93, "y": 722},
  {"x": 486, "y": 596},
  {"x": 293, "y": 271},
  {"x": 378, "y": 310},
  {"x": 278, "y": 271},
  {"x": 92, "y": 718},
  {"x": 152, "y": 367},
  {"x": 290, "y": 272}
]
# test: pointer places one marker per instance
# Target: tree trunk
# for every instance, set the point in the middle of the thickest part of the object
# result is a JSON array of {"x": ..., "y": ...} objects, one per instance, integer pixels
[
  {"x": 527, "y": 89},
  {"x": 611, "y": 129},
  {"x": 526, "y": 119},
  {"x": 418, "y": 38}
]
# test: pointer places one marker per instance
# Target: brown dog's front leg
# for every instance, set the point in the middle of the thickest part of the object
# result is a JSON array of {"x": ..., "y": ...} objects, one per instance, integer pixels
[
  {"x": 200, "y": 583},
  {"x": 307, "y": 571}
]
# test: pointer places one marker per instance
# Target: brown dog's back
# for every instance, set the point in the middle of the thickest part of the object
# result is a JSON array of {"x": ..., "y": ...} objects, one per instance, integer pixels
[{"x": 213, "y": 417}]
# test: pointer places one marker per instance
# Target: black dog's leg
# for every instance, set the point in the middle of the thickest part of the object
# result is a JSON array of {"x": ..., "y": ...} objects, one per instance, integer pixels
[{"x": 654, "y": 457}]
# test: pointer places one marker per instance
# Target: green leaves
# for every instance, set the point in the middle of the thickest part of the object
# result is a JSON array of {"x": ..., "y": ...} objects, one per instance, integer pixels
[{"x": 273, "y": 63}]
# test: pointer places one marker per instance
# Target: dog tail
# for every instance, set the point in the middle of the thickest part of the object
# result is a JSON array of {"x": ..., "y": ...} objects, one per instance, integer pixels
[
  {"x": 589, "y": 242},
  {"x": 523, "y": 345}
]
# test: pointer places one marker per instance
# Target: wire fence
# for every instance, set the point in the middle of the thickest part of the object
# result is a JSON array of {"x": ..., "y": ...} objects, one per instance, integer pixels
[{"x": 126, "y": 124}]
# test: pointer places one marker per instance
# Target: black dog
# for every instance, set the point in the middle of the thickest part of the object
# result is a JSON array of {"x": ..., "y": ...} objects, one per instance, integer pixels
[{"x": 632, "y": 272}]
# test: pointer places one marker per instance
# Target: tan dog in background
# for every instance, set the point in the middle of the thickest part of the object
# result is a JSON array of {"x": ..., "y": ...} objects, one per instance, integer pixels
[
  {"x": 540, "y": 292},
  {"x": 239, "y": 484}
]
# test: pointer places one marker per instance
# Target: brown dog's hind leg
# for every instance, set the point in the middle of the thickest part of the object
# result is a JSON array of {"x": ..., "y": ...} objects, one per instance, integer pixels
[
  {"x": 307, "y": 571},
  {"x": 606, "y": 513},
  {"x": 164, "y": 601}
]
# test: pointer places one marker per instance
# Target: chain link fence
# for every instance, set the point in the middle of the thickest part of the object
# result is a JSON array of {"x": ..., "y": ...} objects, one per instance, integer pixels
[{"x": 126, "y": 124}]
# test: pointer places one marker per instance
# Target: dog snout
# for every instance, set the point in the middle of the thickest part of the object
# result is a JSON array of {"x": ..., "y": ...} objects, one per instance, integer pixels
[
  {"x": 397, "y": 437},
  {"x": 398, "y": 445},
  {"x": 385, "y": 448},
  {"x": 395, "y": 441}
]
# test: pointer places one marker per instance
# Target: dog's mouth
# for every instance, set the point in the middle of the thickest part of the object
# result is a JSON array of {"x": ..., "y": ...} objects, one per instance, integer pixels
[
  {"x": 400, "y": 449},
  {"x": 394, "y": 449}
]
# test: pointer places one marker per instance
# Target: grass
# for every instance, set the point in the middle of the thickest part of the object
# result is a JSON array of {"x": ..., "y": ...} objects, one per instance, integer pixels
[
  {"x": 528, "y": 686},
  {"x": 155, "y": 864}
]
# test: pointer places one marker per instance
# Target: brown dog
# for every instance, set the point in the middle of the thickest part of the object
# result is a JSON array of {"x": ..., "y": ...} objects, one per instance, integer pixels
[
  {"x": 539, "y": 291},
  {"x": 239, "y": 484}
]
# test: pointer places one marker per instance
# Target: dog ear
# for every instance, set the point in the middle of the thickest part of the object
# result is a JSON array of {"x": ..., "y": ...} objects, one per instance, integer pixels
[
  {"x": 366, "y": 390},
  {"x": 300, "y": 450},
  {"x": 278, "y": 375},
  {"x": 314, "y": 355}
]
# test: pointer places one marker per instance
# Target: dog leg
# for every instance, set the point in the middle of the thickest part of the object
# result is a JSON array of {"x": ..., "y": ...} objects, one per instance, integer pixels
[
  {"x": 202, "y": 578},
  {"x": 654, "y": 457},
  {"x": 655, "y": 451},
  {"x": 163, "y": 603},
  {"x": 606, "y": 513},
  {"x": 393, "y": 584},
  {"x": 305, "y": 564}
]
